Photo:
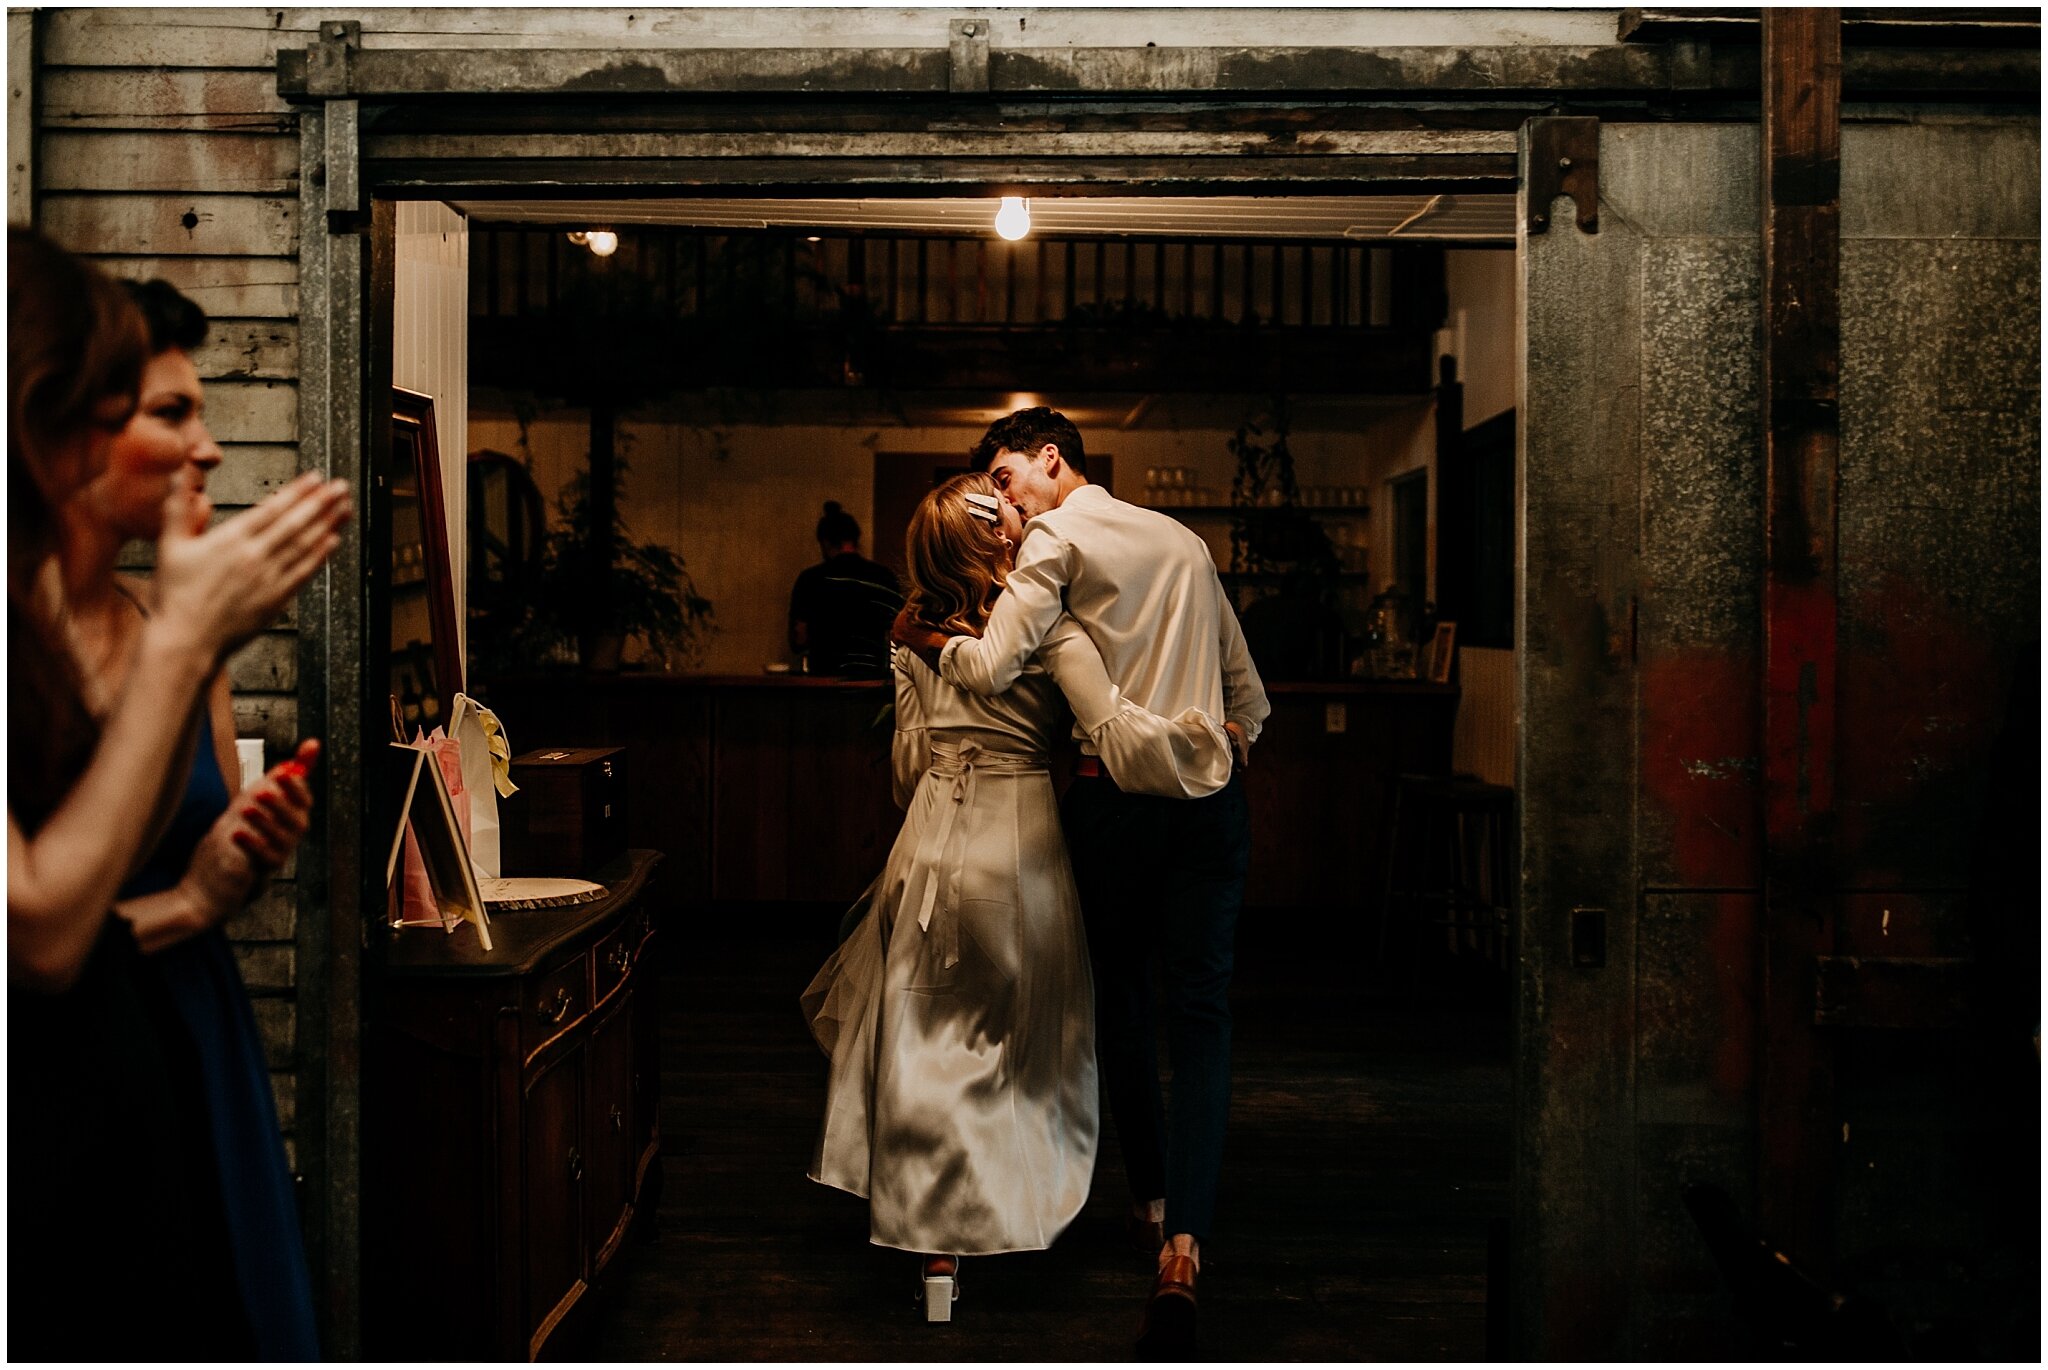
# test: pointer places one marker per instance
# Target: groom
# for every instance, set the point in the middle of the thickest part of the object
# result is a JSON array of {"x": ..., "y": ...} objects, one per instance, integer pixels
[{"x": 1156, "y": 876}]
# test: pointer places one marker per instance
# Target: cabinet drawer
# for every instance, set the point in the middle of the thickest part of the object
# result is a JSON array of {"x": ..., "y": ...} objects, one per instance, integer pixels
[
  {"x": 555, "y": 1002},
  {"x": 619, "y": 952},
  {"x": 615, "y": 958}
]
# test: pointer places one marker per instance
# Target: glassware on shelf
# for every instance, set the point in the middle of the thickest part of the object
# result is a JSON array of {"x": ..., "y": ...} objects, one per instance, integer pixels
[
  {"x": 1180, "y": 485},
  {"x": 1390, "y": 651},
  {"x": 1152, "y": 485}
]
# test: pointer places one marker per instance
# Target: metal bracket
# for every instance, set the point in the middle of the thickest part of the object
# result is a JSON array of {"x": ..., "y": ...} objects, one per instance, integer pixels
[
  {"x": 1564, "y": 159},
  {"x": 331, "y": 62},
  {"x": 967, "y": 72}
]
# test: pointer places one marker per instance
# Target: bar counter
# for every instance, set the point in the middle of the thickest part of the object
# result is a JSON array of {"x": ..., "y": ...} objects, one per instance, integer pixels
[{"x": 775, "y": 788}]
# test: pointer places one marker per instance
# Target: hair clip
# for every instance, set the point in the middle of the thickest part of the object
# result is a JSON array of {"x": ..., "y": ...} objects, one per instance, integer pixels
[{"x": 982, "y": 506}]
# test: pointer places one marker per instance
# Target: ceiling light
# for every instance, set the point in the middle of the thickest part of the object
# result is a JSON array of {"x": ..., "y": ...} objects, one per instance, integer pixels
[
  {"x": 814, "y": 238},
  {"x": 1013, "y": 220},
  {"x": 580, "y": 238},
  {"x": 603, "y": 242}
]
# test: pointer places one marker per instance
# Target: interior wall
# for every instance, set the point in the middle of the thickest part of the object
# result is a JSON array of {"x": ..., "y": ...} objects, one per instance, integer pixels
[
  {"x": 430, "y": 354},
  {"x": 1480, "y": 333},
  {"x": 740, "y": 503}
]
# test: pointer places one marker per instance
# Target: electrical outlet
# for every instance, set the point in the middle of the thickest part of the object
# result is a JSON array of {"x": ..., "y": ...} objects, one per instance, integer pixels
[
  {"x": 1589, "y": 938},
  {"x": 1336, "y": 718}
]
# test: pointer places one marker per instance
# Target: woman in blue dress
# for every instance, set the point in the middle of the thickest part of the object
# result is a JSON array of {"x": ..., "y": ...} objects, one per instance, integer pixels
[{"x": 178, "y": 901}]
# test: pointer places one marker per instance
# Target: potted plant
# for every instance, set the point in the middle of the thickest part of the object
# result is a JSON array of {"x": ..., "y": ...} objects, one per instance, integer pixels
[{"x": 597, "y": 589}]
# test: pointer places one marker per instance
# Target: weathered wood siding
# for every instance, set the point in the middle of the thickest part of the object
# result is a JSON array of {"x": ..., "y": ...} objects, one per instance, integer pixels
[{"x": 161, "y": 149}]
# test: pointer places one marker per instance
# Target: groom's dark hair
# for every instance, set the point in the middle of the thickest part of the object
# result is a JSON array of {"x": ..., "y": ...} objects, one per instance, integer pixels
[{"x": 1027, "y": 430}]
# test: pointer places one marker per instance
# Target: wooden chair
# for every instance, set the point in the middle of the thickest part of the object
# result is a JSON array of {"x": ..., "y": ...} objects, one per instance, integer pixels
[{"x": 1447, "y": 863}]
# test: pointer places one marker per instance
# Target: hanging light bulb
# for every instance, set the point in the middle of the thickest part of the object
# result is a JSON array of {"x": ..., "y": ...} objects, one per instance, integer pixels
[
  {"x": 603, "y": 242},
  {"x": 580, "y": 238},
  {"x": 1013, "y": 220}
]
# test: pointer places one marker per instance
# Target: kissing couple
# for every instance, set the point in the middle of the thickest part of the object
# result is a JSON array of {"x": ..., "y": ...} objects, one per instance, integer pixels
[{"x": 960, "y": 1014}]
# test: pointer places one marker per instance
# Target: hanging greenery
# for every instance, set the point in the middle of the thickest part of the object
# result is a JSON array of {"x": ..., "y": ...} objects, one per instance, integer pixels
[{"x": 1269, "y": 530}]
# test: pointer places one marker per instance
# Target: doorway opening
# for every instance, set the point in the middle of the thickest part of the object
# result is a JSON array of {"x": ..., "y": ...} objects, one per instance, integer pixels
[{"x": 1264, "y": 378}]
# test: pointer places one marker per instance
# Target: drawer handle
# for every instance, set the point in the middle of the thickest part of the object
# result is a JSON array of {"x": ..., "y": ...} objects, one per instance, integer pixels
[
  {"x": 559, "y": 1011},
  {"x": 618, "y": 1119},
  {"x": 621, "y": 958},
  {"x": 575, "y": 1166}
]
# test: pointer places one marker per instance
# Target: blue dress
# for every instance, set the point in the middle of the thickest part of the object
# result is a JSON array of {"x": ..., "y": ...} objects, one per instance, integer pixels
[{"x": 248, "y": 1146}]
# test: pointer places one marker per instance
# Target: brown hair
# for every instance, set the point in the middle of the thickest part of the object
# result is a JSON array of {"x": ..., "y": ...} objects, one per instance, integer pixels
[
  {"x": 956, "y": 558},
  {"x": 1027, "y": 430},
  {"x": 76, "y": 346}
]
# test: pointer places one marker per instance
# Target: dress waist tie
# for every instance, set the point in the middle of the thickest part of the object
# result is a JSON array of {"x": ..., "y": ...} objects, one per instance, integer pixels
[{"x": 943, "y": 853}]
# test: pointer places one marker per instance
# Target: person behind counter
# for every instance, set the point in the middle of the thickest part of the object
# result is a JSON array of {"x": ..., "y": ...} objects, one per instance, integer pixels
[{"x": 841, "y": 609}]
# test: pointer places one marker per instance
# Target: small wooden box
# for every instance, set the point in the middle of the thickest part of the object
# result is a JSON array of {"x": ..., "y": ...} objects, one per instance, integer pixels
[{"x": 569, "y": 817}]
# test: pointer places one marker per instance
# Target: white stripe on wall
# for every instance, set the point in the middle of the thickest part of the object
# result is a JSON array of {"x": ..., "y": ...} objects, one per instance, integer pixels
[
  {"x": 430, "y": 354},
  {"x": 1483, "y": 742}
]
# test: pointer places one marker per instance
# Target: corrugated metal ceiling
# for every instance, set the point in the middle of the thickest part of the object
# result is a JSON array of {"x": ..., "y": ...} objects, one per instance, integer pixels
[{"x": 1454, "y": 218}]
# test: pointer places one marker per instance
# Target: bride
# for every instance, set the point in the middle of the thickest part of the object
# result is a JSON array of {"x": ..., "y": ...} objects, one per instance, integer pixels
[{"x": 959, "y": 1016}]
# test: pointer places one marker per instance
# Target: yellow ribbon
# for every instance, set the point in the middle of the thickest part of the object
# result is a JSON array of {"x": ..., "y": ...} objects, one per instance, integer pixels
[{"x": 496, "y": 743}]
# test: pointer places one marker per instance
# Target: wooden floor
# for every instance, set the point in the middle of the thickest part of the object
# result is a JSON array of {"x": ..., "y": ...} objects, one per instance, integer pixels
[{"x": 1368, "y": 1149}]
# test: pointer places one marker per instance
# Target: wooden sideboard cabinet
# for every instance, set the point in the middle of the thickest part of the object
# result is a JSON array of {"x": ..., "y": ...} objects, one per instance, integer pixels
[{"x": 510, "y": 1122}]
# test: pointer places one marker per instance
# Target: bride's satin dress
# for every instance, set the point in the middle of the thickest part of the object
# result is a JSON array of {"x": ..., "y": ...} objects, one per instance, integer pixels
[{"x": 959, "y": 1016}]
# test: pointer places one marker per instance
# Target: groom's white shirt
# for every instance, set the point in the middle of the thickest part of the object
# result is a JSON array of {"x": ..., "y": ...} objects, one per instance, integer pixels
[{"x": 1145, "y": 589}]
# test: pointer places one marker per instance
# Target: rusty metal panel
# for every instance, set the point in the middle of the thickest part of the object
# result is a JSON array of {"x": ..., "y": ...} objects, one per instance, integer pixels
[
  {"x": 1697, "y": 634},
  {"x": 1940, "y": 539},
  {"x": 333, "y": 279},
  {"x": 1574, "y": 1260},
  {"x": 1697, "y": 959}
]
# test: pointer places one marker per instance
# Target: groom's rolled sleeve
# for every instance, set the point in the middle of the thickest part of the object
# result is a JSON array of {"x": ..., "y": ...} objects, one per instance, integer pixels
[
  {"x": 1034, "y": 601},
  {"x": 1244, "y": 694}
]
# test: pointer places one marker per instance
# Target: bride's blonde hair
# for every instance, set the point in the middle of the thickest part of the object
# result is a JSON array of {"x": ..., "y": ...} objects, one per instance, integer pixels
[{"x": 956, "y": 558}]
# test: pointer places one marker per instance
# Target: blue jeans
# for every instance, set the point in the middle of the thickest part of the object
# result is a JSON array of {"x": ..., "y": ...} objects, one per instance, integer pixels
[{"x": 1163, "y": 878}]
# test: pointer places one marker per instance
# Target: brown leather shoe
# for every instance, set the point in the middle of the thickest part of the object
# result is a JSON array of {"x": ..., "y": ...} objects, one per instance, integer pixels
[
  {"x": 1147, "y": 1237},
  {"x": 1168, "y": 1332}
]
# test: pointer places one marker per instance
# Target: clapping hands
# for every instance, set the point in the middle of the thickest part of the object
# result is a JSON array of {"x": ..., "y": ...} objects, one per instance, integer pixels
[{"x": 216, "y": 587}]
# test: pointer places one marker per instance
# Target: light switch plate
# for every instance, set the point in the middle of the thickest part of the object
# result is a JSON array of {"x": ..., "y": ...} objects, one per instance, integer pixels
[{"x": 1336, "y": 718}]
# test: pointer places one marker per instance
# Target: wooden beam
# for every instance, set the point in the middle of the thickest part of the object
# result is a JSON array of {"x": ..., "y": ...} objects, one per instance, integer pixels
[
  {"x": 1490, "y": 73},
  {"x": 1492, "y": 173},
  {"x": 1802, "y": 145}
]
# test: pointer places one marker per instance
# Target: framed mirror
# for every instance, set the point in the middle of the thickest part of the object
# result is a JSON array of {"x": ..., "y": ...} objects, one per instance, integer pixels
[{"x": 426, "y": 660}]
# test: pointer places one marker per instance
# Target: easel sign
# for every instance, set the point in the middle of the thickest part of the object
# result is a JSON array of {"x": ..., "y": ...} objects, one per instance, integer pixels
[{"x": 429, "y": 812}]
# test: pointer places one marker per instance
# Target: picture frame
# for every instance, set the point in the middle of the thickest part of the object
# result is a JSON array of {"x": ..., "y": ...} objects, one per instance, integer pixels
[
  {"x": 1441, "y": 648},
  {"x": 425, "y": 661}
]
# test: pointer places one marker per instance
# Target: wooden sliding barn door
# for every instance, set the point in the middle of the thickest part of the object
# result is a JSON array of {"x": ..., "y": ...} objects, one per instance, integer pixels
[{"x": 1789, "y": 1000}]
